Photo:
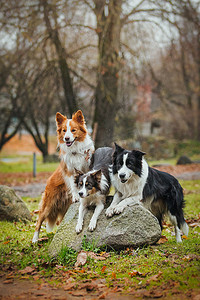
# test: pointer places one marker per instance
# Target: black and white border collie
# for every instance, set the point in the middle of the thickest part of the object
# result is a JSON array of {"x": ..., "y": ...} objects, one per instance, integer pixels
[
  {"x": 136, "y": 182},
  {"x": 94, "y": 186}
]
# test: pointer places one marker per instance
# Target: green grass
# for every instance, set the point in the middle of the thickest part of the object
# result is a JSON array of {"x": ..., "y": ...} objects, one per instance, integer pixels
[
  {"x": 192, "y": 198},
  {"x": 25, "y": 164},
  {"x": 128, "y": 269}
]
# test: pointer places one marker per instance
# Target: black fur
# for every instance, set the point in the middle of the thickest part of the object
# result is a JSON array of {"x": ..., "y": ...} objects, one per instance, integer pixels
[
  {"x": 168, "y": 190},
  {"x": 134, "y": 161}
]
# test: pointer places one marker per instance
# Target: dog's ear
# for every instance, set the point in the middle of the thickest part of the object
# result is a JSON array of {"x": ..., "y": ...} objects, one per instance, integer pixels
[
  {"x": 97, "y": 175},
  {"x": 77, "y": 176},
  {"x": 118, "y": 149},
  {"x": 78, "y": 117},
  {"x": 139, "y": 154},
  {"x": 60, "y": 119}
]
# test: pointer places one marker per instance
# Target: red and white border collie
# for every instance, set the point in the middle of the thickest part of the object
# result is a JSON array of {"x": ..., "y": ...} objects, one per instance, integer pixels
[{"x": 76, "y": 149}]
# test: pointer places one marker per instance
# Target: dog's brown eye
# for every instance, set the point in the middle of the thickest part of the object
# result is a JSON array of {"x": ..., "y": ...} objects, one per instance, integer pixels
[
  {"x": 73, "y": 130},
  {"x": 64, "y": 130}
]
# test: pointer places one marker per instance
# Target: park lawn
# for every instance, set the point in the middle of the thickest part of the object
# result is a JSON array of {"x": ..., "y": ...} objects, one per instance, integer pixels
[
  {"x": 19, "y": 164},
  {"x": 166, "y": 268}
]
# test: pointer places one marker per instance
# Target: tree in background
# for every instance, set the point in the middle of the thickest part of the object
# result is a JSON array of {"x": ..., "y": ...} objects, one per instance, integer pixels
[
  {"x": 177, "y": 71},
  {"x": 93, "y": 54},
  {"x": 9, "y": 125}
]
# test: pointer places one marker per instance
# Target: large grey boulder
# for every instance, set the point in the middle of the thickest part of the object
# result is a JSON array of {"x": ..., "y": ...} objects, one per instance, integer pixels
[
  {"x": 135, "y": 226},
  {"x": 12, "y": 207}
]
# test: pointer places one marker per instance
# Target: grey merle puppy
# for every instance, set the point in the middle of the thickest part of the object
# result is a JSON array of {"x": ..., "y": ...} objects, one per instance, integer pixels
[{"x": 94, "y": 186}]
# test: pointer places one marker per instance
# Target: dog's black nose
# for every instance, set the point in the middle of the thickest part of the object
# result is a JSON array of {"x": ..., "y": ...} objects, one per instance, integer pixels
[
  {"x": 80, "y": 194},
  {"x": 67, "y": 138},
  {"x": 122, "y": 176}
]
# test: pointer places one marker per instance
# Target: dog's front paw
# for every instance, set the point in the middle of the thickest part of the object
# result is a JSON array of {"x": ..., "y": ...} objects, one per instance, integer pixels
[
  {"x": 92, "y": 225},
  {"x": 118, "y": 209},
  {"x": 109, "y": 212},
  {"x": 75, "y": 199},
  {"x": 79, "y": 227}
]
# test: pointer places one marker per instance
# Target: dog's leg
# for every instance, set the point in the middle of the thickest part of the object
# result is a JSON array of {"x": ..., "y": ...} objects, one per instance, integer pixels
[
  {"x": 41, "y": 218},
  {"x": 74, "y": 191},
  {"x": 124, "y": 203},
  {"x": 98, "y": 209},
  {"x": 185, "y": 228},
  {"x": 82, "y": 211},
  {"x": 110, "y": 210},
  {"x": 50, "y": 223},
  {"x": 174, "y": 222}
]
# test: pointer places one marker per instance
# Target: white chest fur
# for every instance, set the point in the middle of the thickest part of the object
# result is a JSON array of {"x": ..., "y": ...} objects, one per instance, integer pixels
[
  {"x": 134, "y": 186},
  {"x": 78, "y": 156}
]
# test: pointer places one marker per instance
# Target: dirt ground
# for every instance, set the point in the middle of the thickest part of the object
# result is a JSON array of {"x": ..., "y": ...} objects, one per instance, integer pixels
[{"x": 23, "y": 289}]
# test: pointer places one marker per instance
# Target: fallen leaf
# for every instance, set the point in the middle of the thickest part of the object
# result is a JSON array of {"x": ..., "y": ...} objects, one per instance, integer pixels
[
  {"x": 95, "y": 256},
  {"x": 82, "y": 271},
  {"x": 27, "y": 270},
  {"x": 113, "y": 276},
  {"x": 103, "y": 269},
  {"x": 154, "y": 277},
  {"x": 163, "y": 239},
  {"x": 104, "y": 254},
  {"x": 135, "y": 273},
  {"x": 8, "y": 281},
  {"x": 81, "y": 259},
  {"x": 184, "y": 237},
  {"x": 69, "y": 286},
  {"x": 187, "y": 258},
  {"x": 103, "y": 295},
  {"x": 36, "y": 277}
]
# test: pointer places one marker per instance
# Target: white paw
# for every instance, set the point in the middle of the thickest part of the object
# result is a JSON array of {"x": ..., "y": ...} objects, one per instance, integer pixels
[
  {"x": 35, "y": 237},
  {"x": 118, "y": 209},
  {"x": 92, "y": 225},
  {"x": 109, "y": 212},
  {"x": 179, "y": 240},
  {"x": 75, "y": 199},
  {"x": 79, "y": 227}
]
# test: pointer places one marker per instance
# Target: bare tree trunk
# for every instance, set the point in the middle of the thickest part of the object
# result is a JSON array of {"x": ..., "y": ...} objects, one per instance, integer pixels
[
  {"x": 62, "y": 55},
  {"x": 108, "y": 30},
  {"x": 198, "y": 96}
]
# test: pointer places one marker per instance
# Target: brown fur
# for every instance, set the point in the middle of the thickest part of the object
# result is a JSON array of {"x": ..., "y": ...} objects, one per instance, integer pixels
[
  {"x": 55, "y": 201},
  {"x": 57, "y": 197},
  {"x": 92, "y": 191},
  {"x": 77, "y": 124}
]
